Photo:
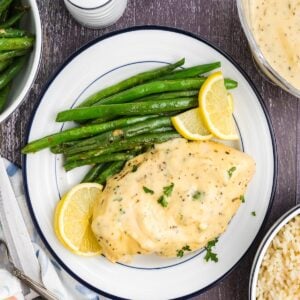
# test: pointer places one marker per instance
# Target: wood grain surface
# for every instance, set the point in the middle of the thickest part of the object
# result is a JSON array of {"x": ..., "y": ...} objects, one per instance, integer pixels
[{"x": 215, "y": 20}]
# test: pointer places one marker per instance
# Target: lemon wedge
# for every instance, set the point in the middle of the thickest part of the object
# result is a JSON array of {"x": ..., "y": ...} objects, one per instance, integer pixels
[
  {"x": 216, "y": 108},
  {"x": 73, "y": 217},
  {"x": 190, "y": 125},
  {"x": 230, "y": 102}
]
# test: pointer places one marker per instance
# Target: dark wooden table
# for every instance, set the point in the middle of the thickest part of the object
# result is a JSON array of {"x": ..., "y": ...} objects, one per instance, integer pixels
[{"x": 215, "y": 20}]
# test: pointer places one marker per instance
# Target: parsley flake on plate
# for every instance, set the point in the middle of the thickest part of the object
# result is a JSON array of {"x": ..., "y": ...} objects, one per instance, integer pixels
[
  {"x": 209, "y": 254},
  {"x": 230, "y": 171},
  {"x": 147, "y": 190},
  {"x": 198, "y": 195},
  {"x": 168, "y": 189},
  {"x": 180, "y": 252},
  {"x": 162, "y": 201}
]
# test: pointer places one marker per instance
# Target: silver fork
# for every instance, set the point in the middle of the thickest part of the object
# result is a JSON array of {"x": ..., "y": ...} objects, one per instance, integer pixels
[{"x": 37, "y": 287}]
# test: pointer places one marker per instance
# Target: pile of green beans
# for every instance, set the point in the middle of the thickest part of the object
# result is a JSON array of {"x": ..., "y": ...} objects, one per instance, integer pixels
[
  {"x": 15, "y": 45},
  {"x": 125, "y": 119}
]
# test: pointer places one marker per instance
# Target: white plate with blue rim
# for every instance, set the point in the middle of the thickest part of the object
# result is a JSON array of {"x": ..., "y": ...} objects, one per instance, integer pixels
[{"x": 108, "y": 60}]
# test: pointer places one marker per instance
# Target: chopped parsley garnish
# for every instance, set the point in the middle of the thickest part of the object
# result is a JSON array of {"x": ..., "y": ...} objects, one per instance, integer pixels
[
  {"x": 168, "y": 189},
  {"x": 147, "y": 190},
  {"x": 186, "y": 248},
  {"x": 163, "y": 201},
  {"x": 122, "y": 211},
  {"x": 242, "y": 198},
  {"x": 230, "y": 171},
  {"x": 198, "y": 195},
  {"x": 181, "y": 251},
  {"x": 134, "y": 168},
  {"x": 209, "y": 254},
  {"x": 253, "y": 213}
]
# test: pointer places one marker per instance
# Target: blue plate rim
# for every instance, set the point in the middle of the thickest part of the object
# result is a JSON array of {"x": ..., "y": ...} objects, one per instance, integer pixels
[{"x": 49, "y": 82}]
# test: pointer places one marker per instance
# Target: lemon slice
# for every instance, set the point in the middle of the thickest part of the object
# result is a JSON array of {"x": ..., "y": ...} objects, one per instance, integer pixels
[
  {"x": 230, "y": 102},
  {"x": 216, "y": 108},
  {"x": 190, "y": 125},
  {"x": 56, "y": 226},
  {"x": 73, "y": 217}
]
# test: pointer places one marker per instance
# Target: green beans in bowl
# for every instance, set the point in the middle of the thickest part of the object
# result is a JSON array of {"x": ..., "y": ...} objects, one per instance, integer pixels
[{"x": 20, "y": 51}]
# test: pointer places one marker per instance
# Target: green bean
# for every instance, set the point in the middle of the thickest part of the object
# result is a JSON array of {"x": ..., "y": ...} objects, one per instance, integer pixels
[
  {"x": 99, "y": 159},
  {"x": 78, "y": 114},
  {"x": 12, "y": 33},
  {"x": 105, "y": 148},
  {"x": 4, "y": 92},
  {"x": 162, "y": 129},
  {"x": 3, "y": 16},
  {"x": 169, "y": 95},
  {"x": 12, "y": 20},
  {"x": 16, "y": 43},
  {"x": 4, "y": 4},
  {"x": 93, "y": 153},
  {"x": 192, "y": 71},
  {"x": 65, "y": 146},
  {"x": 130, "y": 82},
  {"x": 81, "y": 132},
  {"x": 11, "y": 54},
  {"x": 94, "y": 172},
  {"x": 127, "y": 109},
  {"x": 12, "y": 71},
  {"x": 61, "y": 148},
  {"x": 100, "y": 120},
  {"x": 230, "y": 83},
  {"x": 4, "y": 64},
  {"x": 127, "y": 144},
  {"x": 111, "y": 118},
  {"x": 17, "y": 5},
  {"x": 110, "y": 171},
  {"x": 106, "y": 138},
  {"x": 153, "y": 87}
]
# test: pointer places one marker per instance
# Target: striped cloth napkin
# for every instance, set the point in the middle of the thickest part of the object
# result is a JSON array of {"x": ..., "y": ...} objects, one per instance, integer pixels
[{"x": 53, "y": 276}]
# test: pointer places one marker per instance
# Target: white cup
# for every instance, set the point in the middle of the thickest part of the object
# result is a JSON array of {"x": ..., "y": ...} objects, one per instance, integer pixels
[{"x": 96, "y": 13}]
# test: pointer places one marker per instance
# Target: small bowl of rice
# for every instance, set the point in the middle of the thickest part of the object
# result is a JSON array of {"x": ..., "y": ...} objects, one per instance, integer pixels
[{"x": 275, "y": 273}]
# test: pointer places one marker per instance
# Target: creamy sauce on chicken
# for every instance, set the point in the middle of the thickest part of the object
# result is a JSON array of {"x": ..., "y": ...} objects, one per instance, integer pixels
[
  {"x": 180, "y": 195},
  {"x": 276, "y": 27}
]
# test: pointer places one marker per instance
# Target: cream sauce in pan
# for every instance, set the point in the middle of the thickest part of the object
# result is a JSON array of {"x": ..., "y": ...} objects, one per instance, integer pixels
[{"x": 276, "y": 28}]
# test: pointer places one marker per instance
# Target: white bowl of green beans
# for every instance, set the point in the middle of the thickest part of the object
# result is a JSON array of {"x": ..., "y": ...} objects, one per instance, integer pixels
[{"x": 20, "y": 52}]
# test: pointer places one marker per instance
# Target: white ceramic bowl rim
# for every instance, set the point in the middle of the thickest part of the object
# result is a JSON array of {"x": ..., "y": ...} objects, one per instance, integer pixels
[
  {"x": 34, "y": 67},
  {"x": 71, "y": 57},
  {"x": 264, "y": 245},
  {"x": 89, "y": 4},
  {"x": 279, "y": 80}
]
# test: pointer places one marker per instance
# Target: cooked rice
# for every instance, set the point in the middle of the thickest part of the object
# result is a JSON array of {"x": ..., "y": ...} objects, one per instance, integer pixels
[{"x": 279, "y": 275}]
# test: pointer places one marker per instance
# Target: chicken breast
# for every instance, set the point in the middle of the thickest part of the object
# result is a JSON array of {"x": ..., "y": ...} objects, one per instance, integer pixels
[{"x": 178, "y": 196}]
